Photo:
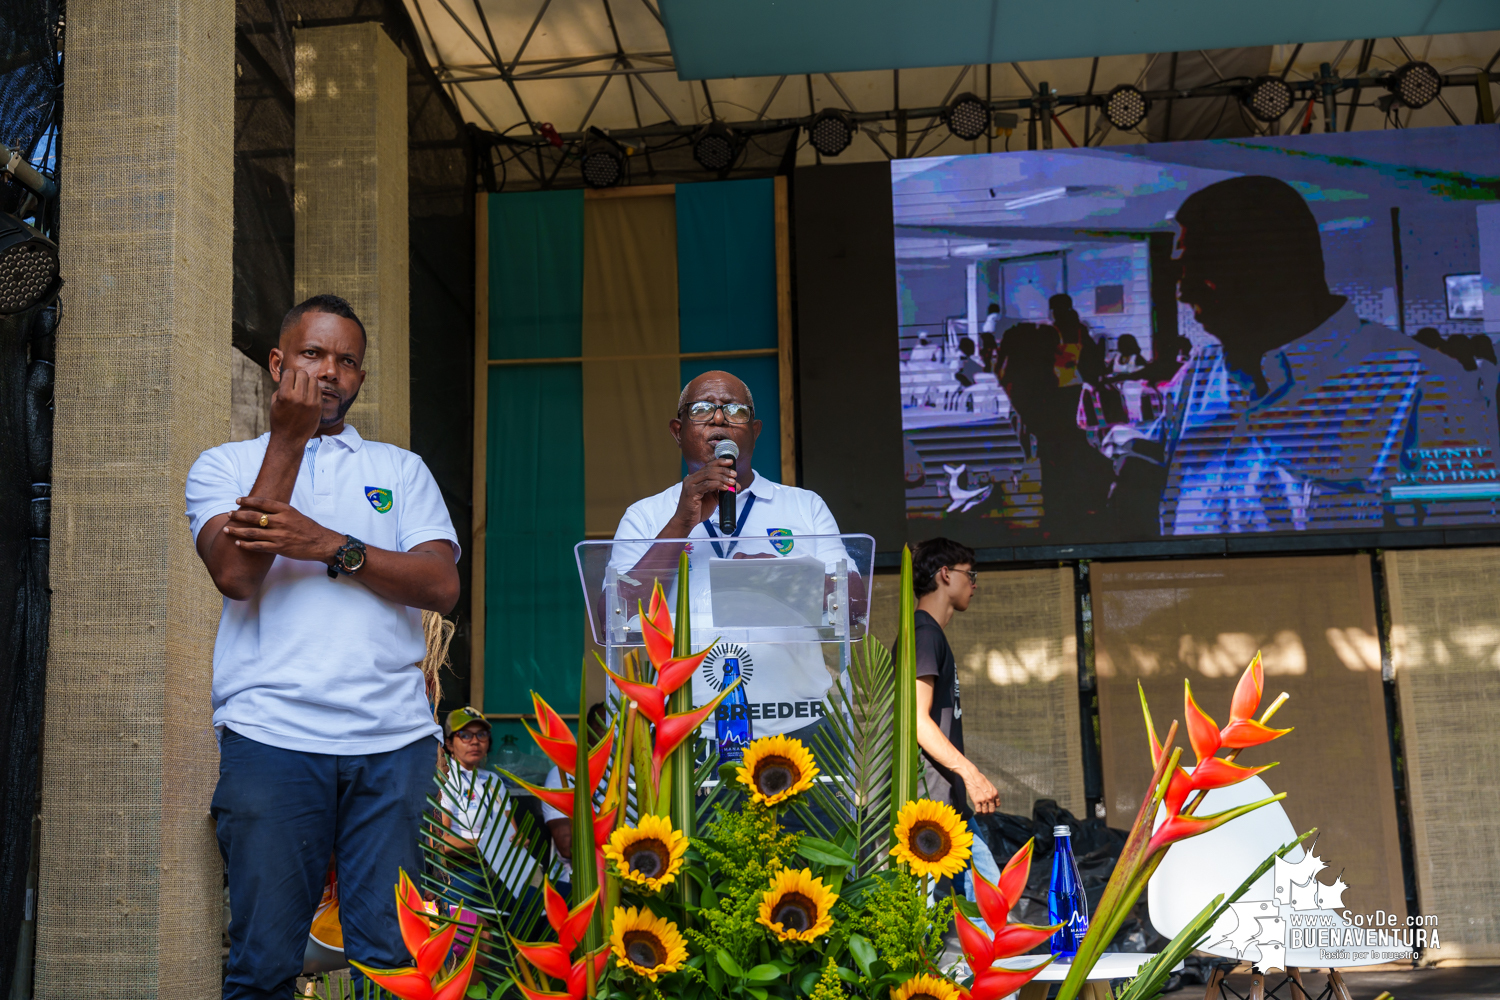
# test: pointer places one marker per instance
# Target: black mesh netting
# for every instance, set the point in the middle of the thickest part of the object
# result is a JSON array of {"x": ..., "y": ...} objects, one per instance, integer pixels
[
  {"x": 25, "y": 475},
  {"x": 441, "y": 192},
  {"x": 30, "y": 89},
  {"x": 29, "y": 71}
]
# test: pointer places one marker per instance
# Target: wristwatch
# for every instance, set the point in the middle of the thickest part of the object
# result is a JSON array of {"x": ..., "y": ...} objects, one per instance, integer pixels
[{"x": 350, "y": 558}]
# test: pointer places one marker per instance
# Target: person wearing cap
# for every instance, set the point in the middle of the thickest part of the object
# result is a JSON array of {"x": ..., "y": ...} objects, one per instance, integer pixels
[{"x": 474, "y": 805}]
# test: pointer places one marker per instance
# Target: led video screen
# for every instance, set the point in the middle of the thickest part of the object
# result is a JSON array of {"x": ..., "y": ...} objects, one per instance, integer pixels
[{"x": 1272, "y": 335}]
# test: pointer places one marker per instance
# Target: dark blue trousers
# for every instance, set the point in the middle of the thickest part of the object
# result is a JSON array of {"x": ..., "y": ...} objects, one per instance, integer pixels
[{"x": 281, "y": 814}]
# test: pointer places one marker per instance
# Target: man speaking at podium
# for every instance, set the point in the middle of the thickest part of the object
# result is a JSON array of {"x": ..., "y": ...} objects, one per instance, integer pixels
[{"x": 784, "y": 682}]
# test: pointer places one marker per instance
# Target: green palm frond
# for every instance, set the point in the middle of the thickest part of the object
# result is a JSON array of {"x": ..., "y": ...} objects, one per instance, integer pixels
[
  {"x": 854, "y": 748},
  {"x": 706, "y": 771},
  {"x": 501, "y": 882}
]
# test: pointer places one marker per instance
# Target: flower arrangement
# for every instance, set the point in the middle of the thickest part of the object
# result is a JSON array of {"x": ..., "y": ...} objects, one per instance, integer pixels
[
  {"x": 429, "y": 939},
  {"x": 786, "y": 878}
]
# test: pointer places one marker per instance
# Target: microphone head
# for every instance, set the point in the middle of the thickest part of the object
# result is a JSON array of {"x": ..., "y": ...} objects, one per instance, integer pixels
[{"x": 726, "y": 449}]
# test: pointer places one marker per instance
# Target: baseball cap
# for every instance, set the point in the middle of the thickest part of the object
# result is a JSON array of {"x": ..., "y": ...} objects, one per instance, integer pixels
[{"x": 461, "y": 717}]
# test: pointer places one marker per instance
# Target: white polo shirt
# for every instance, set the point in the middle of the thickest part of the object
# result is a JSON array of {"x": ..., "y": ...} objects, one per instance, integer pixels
[
  {"x": 784, "y": 682},
  {"x": 309, "y": 663},
  {"x": 476, "y": 801}
]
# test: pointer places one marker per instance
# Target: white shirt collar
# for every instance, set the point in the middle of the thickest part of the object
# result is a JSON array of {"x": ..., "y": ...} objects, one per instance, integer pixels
[
  {"x": 348, "y": 437},
  {"x": 762, "y": 487}
]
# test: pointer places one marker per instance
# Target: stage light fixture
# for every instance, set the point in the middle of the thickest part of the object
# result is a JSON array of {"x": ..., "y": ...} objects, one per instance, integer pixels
[
  {"x": 968, "y": 117},
  {"x": 603, "y": 163},
  {"x": 28, "y": 266},
  {"x": 1416, "y": 84},
  {"x": 1267, "y": 98},
  {"x": 716, "y": 147},
  {"x": 1125, "y": 107},
  {"x": 830, "y": 131}
]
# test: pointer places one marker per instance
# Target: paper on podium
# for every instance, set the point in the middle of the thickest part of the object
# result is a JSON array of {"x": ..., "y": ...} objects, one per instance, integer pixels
[
  {"x": 774, "y": 593},
  {"x": 779, "y": 589}
]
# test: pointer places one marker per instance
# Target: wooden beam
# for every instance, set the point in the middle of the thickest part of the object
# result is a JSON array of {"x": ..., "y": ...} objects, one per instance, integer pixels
[
  {"x": 481, "y": 446},
  {"x": 753, "y": 352},
  {"x": 784, "y": 334},
  {"x": 630, "y": 191}
]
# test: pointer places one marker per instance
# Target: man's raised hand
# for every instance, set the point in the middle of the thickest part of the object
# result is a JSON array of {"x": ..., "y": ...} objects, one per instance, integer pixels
[
  {"x": 296, "y": 406},
  {"x": 700, "y": 493}
]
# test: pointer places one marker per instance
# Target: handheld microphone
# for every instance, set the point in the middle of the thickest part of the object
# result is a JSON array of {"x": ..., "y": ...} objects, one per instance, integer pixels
[{"x": 726, "y": 449}]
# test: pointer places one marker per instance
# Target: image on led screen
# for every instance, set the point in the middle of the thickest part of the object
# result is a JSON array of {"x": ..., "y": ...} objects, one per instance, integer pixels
[{"x": 1289, "y": 334}]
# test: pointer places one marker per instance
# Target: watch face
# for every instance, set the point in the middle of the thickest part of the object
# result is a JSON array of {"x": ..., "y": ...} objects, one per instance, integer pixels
[{"x": 352, "y": 559}]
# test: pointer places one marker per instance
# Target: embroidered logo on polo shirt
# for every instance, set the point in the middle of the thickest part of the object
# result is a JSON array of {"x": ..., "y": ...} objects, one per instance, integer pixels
[
  {"x": 782, "y": 539},
  {"x": 380, "y": 499}
]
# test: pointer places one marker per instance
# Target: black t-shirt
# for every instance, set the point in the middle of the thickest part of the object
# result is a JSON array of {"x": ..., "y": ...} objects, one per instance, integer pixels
[{"x": 935, "y": 660}]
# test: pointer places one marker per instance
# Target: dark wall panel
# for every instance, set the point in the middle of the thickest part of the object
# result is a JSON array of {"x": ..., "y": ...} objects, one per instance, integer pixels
[{"x": 849, "y": 421}]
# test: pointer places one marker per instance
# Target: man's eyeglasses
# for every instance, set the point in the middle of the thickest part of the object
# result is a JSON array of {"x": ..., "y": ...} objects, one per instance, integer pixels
[
  {"x": 469, "y": 736},
  {"x": 971, "y": 574},
  {"x": 702, "y": 412}
]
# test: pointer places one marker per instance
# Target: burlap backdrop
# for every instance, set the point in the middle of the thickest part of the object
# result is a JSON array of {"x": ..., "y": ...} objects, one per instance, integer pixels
[
  {"x": 1314, "y": 620},
  {"x": 1445, "y": 647},
  {"x": 629, "y": 309},
  {"x": 1017, "y": 655},
  {"x": 131, "y": 882},
  {"x": 350, "y": 207}
]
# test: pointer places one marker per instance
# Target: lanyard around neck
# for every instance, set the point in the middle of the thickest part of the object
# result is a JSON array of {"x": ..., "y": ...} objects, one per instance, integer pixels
[{"x": 739, "y": 527}]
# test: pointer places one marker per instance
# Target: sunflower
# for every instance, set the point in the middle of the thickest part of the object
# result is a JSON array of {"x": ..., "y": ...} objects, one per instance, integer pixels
[
  {"x": 649, "y": 853},
  {"x": 646, "y": 944},
  {"x": 776, "y": 768},
  {"x": 797, "y": 907},
  {"x": 931, "y": 838},
  {"x": 926, "y": 988}
]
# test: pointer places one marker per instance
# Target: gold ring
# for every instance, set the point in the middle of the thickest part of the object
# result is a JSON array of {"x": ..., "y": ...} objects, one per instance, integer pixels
[{"x": 265, "y": 520}]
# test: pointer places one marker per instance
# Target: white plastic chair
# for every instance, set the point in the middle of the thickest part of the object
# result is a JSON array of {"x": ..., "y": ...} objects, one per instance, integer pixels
[{"x": 1198, "y": 869}]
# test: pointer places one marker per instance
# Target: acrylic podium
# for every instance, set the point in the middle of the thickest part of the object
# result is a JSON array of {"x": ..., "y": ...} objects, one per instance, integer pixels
[{"x": 782, "y": 589}]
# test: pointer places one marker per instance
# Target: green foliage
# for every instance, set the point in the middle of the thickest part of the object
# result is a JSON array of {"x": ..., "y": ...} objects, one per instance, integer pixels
[
  {"x": 894, "y": 916},
  {"x": 743, "y": 848},
  {"x": 448, "y": 864},
  {"x": 854, "y": 749},
  {"x": 684, "y": 815},
  {"x": 904, "y": 768},
  {"x": 585, "y": 875},
  {"x": 829, "y": 986}
]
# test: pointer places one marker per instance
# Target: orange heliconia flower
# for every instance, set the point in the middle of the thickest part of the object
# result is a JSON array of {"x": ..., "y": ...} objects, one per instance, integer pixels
[{"x": 981, "y": 951}]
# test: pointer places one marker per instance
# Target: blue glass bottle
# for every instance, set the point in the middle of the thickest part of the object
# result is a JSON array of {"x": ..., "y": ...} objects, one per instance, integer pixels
[
  {"x": 1066, "y": 902},
  {"x": 732, "y": 727}
]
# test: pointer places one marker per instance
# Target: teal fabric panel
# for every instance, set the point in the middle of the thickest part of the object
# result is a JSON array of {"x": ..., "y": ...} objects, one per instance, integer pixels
[
  {"x": 750, "y": 38},
  {"x": 762, "y": 375},
  {"x": 726, "y": 265},
  {"x": 534, "y": 473},
  {"x": 536, "y": 274}
]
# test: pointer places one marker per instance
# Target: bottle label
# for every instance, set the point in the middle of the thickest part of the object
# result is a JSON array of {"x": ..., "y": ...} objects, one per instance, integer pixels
[{"x": 732, "y": 726}]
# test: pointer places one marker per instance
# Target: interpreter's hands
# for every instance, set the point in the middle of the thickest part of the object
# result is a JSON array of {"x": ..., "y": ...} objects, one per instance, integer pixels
[
  {"x": 286, "y": 531},
  {"x": 700, "y": 493},
  {"x": 296, "y": 406},
  {"x": 985, "y": 795}
]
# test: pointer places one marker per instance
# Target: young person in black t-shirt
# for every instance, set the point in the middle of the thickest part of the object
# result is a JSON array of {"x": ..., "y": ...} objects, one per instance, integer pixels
[{"x": 944, "y": 580}]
